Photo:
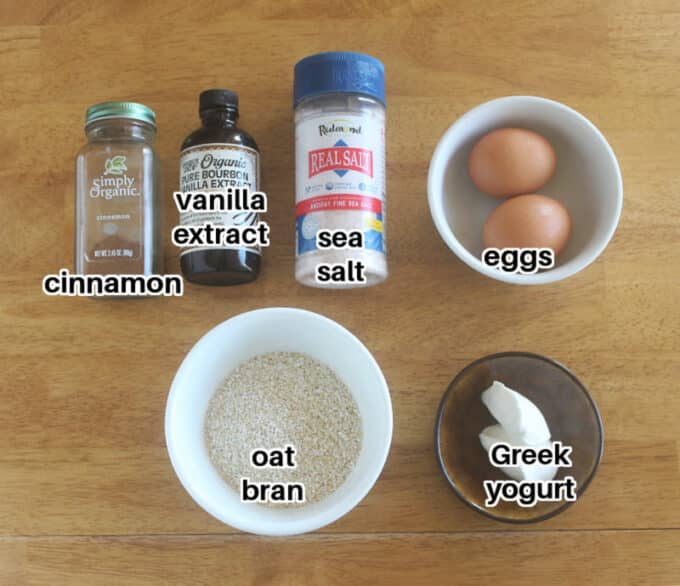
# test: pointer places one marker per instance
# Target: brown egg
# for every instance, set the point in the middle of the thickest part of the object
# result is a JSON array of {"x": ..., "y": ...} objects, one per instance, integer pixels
[
  {"x": 511, "y": 161},
  {"x": 528, "y": 221}
]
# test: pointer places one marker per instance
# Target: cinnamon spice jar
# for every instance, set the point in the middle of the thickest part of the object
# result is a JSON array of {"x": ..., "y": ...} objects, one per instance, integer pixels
[{"x": 117, "y": 224}]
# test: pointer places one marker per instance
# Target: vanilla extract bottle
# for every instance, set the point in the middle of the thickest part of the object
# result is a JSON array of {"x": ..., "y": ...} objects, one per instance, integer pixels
[{"x": 219, "y": 156}]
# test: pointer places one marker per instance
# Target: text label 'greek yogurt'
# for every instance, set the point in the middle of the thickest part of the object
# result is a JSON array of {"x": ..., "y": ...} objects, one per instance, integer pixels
[{"x": 527, "y": 493}]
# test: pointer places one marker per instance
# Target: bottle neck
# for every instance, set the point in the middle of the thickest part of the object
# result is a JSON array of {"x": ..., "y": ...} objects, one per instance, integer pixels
[
  {"x": 120, "y": 129},
  {"x": 220, "y": 117}
]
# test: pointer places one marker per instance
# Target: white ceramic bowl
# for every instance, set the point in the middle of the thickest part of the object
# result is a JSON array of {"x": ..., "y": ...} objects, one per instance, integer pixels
[
  {"x": 223, "y": 348},
  {"x": 587, "y": 181}
]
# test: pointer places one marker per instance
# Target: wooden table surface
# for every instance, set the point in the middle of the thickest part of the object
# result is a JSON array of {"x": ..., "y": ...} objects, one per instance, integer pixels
[{"x": 87, "y": 493}]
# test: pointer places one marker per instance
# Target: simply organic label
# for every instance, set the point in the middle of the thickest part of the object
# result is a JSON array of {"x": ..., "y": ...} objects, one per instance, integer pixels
[
  {"x": 340, "y": 178},
  {"x": 112, "y": 208},
  {"x": 114, "y": 181},
  {"x": 218, "y": 167}
]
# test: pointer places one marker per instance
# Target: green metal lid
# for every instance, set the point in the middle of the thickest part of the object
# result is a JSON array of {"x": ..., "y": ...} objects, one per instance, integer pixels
[{"x": 120, "y": 110}]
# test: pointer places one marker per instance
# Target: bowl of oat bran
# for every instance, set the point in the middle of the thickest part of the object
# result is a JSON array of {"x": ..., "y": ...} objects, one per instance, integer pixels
[{"x": 271, "y": 378}]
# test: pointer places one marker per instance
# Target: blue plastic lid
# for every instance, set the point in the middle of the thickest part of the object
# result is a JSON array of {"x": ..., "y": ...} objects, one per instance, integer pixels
[{"x": 339, "y": 72}]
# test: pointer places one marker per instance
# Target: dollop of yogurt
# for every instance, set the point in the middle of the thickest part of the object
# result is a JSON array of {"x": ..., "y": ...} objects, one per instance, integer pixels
[{"x": 520, "y": 424}]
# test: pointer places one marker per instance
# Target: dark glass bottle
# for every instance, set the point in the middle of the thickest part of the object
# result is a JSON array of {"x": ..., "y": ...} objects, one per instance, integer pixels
[{"x": 217, "y": 156}]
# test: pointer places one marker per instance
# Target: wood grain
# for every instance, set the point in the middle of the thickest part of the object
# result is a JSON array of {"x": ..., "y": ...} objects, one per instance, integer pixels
[
  {"x": 87, "y": 494},
  {"x": 465, "y": 559}
]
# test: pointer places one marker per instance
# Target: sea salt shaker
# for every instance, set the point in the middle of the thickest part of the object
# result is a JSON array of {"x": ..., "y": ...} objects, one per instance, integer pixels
[{"x": 339, "y": 101}]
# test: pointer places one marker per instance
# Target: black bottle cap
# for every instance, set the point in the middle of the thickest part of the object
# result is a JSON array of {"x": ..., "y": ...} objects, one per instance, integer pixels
[{"x": 210, "y": 99}]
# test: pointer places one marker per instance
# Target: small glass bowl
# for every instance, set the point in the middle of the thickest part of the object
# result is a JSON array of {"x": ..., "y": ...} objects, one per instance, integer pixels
[{"x": 571, "y": 414}]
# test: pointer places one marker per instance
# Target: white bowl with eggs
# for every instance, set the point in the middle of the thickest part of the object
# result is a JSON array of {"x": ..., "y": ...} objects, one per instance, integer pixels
[
  {"x": 586, "y": 181},
  {"x": 220, "y": 351}
]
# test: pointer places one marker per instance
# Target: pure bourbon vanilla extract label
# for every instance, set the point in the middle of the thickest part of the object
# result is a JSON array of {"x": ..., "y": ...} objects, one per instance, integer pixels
[
  {"x": 210, "y": 168},
  {"x": 340, "y": 178}
]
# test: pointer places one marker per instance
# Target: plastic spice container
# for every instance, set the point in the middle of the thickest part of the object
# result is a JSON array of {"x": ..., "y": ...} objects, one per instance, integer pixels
[
  {"x": 339, "y": 103},
  {"x": 117, "y": 227}
]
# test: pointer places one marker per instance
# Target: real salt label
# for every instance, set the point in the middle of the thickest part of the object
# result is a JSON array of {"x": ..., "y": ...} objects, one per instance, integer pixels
[{"x": 341, "y": 183}]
